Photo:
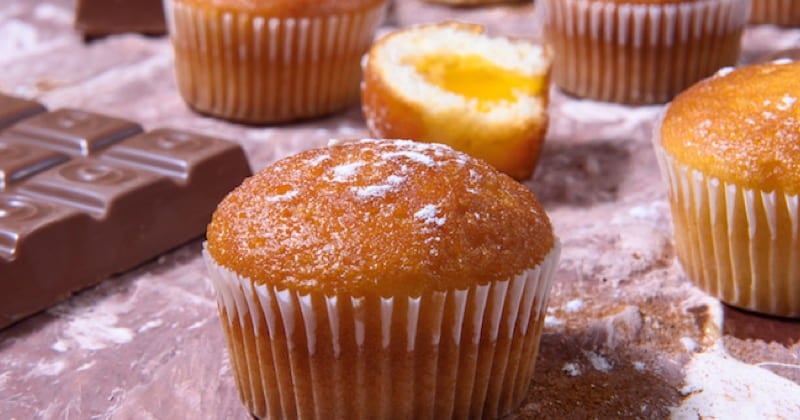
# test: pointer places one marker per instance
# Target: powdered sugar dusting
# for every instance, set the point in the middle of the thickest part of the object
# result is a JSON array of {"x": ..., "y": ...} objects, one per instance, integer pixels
[
  {"x": 574, "y": 305},
  {"x": 571, "y": 369},
  {"x": 91, "y": 327},
  {"x": 97, "y": 331},
  {"x": 392, "y": 181},
  {"x": 414, "y": 156},
  {"x": 598, "y": 362},
  {"x": 282, "y": 197},
  {"x": 551, "y": 321},
  {"x": 786, "y": 102},
  {"x": 361, "y": 175},
  {"x": 719, "y": 386},
  {"x": 395, "y": 179},
  {"x": 343, "y": 172},
  {"x": 724, "y": 71},
  {"x": 704, "y": 126},
  {"x": 409, "y": 194},
  {"x": 318, "y": 159},
  {"x": 689, "y": 344},
  {"x": 428, "y": 215},
  {"x": 46, "y": 368},
  {"x": 372, "y": 190}
]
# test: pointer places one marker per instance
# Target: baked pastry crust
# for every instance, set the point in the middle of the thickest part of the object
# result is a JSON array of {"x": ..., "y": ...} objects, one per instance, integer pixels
[
  {"x": 741, "y": 126},
  {"x": 293, "y": 225}
]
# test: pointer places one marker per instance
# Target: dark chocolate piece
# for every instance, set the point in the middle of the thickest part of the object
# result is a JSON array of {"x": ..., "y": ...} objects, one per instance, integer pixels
[
  {"x": 13, "y": 109},
  {"x": 104, "y": 17},
  {"x": 69, "y": 221}
]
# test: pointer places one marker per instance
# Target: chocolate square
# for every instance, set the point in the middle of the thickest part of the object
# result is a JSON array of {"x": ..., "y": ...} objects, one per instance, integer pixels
[
  {"x": 75, "y": 132},
  {"x": 20, "y": 160}
]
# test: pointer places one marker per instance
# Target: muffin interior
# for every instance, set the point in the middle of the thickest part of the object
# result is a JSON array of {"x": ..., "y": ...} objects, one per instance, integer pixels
[
  {"x": 475, "y": 77},
  {"x": 458, "y": 66}
]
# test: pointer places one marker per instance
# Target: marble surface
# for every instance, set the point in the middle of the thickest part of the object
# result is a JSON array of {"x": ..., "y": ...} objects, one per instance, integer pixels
[{"x": 626, "y": 335}]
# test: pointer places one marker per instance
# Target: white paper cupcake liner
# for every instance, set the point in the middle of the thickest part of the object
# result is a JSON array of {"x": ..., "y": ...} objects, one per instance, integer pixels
[
  {"x": 462, "y": 353},
  {"x": 640, "y": 53},
  {"x": 737, "y": 244},
  {"x": 264, "y": 69},
  {"x": 778, "y": 12}
]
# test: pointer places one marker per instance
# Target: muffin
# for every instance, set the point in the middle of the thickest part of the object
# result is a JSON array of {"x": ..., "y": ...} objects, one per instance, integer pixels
[
  {"x": 776, "y": 12},
  {"x": 451, "y": 83},
  {"x": 270, "y": 61},
  {"x": 729, "y": 150},
  {"x": 381, "y": 279},
  {"x": 640, "y": 51}
]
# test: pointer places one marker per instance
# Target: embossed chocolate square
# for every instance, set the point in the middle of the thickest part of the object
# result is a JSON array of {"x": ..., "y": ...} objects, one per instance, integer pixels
[
  {"x": 19, "y": 160},
  {"x": 74, "y": 132}
]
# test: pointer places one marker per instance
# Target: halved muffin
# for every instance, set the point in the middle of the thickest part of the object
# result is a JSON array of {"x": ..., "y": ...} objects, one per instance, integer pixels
[{"x": 451, "y": 83}]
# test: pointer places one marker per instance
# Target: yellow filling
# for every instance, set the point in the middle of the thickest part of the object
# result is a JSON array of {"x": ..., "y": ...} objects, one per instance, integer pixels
[{"x": 474, "y": 77}]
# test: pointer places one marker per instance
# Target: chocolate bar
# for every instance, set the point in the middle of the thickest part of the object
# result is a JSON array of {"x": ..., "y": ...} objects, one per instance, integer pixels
[
  {"x": 84, "y": 196},
  {"x": 14, "y": 109},
  {"x": 103, "y": 17}
]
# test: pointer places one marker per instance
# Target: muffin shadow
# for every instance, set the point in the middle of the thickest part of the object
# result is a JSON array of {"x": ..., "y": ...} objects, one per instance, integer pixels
[
  {"x": 768, "y": 342},
  {"x": 574, "y": 380},
  {"x": 746, "y": 325},
  {"x": 580, "y": 174}
]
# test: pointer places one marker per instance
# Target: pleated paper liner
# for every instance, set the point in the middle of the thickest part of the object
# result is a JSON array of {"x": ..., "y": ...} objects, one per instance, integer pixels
[
  {"x": 450, "y": 354},
  {"x": 776, "y": 12},
  {"x": 737, "y": 244},
  {"x": 640, "y": 53},
  {"x": 259, "y": 69}
]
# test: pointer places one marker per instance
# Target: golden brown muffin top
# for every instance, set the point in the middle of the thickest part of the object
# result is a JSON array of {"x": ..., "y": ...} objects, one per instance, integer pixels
[
  {"x": 286, "y": 8},
  {"x": 741, "y": 126},
  {"x": 379, "y": 216}
]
